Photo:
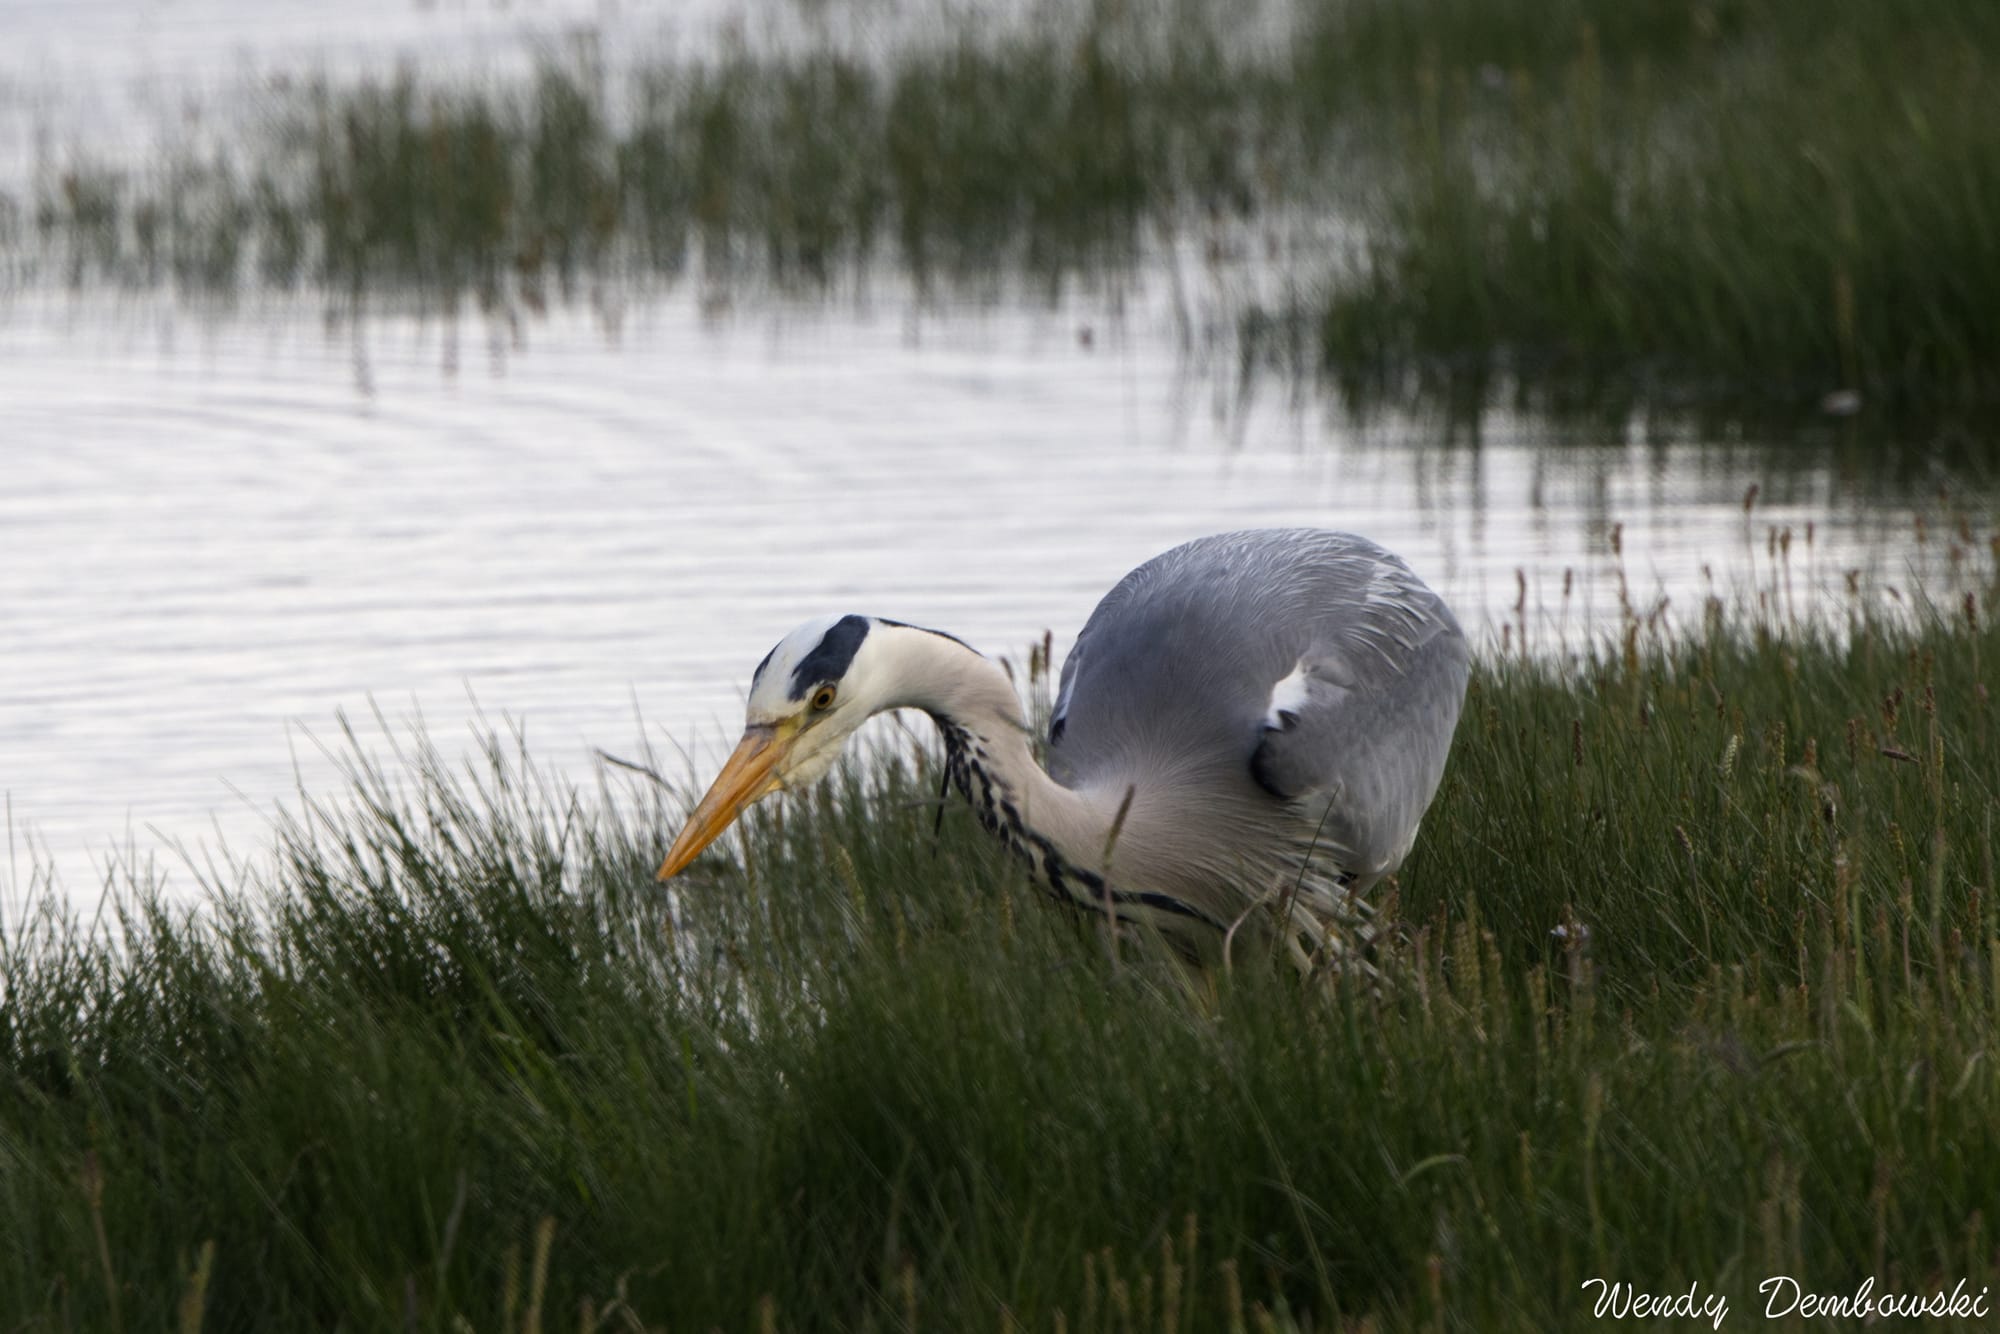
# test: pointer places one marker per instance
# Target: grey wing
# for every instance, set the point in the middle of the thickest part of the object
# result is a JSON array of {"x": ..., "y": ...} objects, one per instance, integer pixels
[
  {"x": 1277, "y": 668},
  {"x": 1359, "y": 729}
]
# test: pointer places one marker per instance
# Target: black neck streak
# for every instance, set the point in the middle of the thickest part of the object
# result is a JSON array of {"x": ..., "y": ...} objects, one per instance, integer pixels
[{"x": 968, "y": 768}]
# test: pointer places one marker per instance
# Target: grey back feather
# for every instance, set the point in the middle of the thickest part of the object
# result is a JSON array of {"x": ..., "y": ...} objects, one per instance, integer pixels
[{"x": 1171, "y": 683}]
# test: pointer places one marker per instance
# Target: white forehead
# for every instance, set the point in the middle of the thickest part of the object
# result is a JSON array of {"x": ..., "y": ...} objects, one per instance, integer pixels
[{"x": 823, "y": 647}]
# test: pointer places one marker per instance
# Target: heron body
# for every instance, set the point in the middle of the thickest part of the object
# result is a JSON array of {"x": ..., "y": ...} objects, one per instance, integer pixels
[{"x": 1251, "y": 721}]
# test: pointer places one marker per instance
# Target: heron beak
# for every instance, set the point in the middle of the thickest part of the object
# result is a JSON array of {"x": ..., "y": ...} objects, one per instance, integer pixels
[{"x": 751, "y": 773}]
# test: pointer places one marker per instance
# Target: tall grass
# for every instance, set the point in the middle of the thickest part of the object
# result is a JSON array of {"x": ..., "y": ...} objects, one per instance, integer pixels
[{"x": 1698, "y": 983}]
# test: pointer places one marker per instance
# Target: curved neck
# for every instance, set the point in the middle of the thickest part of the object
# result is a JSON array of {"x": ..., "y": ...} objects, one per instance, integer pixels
[{"x": 1067, "y": 837}]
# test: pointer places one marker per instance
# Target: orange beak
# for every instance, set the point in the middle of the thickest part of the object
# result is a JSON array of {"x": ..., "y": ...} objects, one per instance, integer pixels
[{"x": 747, "y": 776}]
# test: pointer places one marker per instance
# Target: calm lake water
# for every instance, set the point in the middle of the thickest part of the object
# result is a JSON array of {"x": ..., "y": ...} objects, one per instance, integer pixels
[
  {"x": 218, "y": 532},
  {"x": 216, "y": 536}
]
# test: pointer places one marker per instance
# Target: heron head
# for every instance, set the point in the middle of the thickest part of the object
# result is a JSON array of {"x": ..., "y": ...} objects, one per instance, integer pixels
[{"x": 807, "y": 697}]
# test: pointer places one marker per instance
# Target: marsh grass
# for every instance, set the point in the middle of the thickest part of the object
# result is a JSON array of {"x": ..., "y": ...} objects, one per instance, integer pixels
[
  {"x": 1749, "y": 201},
  {"x": 1036, "y": 154},
  {"x": 1736, "y": 201},
  {"x": 1698, "y": 982}
]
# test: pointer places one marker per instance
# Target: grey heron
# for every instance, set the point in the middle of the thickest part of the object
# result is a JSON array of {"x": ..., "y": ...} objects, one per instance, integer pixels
[{"x": 1251, "y": 720}]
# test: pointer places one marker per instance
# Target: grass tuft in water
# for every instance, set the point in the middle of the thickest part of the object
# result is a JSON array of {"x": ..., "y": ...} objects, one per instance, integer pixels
[
  {"x": 1741, "y": 200},
  {"x": 1766, "y": 202}
]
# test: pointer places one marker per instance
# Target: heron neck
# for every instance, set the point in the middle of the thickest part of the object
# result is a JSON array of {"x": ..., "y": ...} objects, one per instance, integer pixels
[{"x": 1065, "y": 835}]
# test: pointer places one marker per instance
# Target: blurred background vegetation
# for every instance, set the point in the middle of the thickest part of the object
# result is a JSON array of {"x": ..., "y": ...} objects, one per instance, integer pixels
[{"x": 1745, "y": 200}]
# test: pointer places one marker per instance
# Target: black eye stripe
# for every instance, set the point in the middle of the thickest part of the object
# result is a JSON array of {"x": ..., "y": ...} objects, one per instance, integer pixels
[{"x": 831, "y": 657}]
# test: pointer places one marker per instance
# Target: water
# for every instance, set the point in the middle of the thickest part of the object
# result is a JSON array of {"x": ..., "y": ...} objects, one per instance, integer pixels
[
  {"x": 216, "y": 536},
  {"x": 219, "y": 532}
]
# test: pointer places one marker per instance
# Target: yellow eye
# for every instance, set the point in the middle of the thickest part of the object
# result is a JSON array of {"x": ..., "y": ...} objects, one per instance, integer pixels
[{"x": 823, "y": 698}]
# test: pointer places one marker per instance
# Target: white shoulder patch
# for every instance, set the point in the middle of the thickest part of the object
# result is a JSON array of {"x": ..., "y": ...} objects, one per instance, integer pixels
[{"x": 1288, "y": 696}]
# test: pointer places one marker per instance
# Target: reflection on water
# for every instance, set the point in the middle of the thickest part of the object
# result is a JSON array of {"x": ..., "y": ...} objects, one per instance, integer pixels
[
  {"x": 213, "y": 537},
  {"x": 119, "y": 76}
]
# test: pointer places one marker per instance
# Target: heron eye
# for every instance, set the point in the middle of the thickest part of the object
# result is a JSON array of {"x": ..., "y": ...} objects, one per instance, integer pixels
[{"x": 823, "y": 698}]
